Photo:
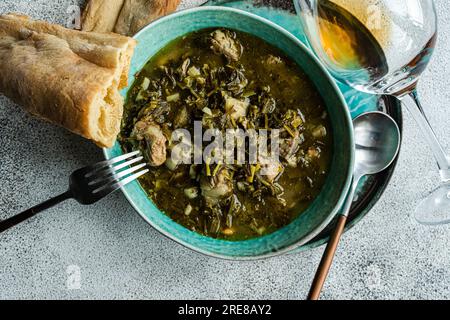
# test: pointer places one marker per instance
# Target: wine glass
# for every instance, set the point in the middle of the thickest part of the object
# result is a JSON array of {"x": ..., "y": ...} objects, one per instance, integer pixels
[{"x": 382, "y": 47}]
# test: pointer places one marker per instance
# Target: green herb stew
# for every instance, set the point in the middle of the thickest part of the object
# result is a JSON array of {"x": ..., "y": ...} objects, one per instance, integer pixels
[{"x": 225, "y": 79}]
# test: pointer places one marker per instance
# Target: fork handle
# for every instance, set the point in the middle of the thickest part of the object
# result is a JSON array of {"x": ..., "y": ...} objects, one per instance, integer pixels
[{"x": 15, "y": 220}]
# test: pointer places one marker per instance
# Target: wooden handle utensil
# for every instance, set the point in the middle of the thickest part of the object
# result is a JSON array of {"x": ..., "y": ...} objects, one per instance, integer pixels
[{"x": 327, "y": 260}]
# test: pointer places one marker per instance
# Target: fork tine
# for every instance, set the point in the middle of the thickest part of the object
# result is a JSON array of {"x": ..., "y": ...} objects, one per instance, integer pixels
[
  {"x": 105, "y": 190},
  {"x": 100, "y": 165},
  {"x": 109, "y": 171},
  {"x": 115, "y": 176},
  {"x": 128, "y": 163}
]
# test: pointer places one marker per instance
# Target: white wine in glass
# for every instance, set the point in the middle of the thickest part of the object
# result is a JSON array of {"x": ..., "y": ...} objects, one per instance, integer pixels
[{"x": 382, "y": 47}]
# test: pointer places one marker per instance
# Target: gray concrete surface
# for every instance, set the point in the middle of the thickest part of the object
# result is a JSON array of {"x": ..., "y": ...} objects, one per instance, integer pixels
[{"x": 116, "y": 255}]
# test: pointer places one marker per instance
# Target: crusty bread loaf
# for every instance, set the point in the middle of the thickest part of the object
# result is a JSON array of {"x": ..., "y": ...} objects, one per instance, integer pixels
[
  {"x": 124, "y": 16},
  {"x": 68, "y": 77}
]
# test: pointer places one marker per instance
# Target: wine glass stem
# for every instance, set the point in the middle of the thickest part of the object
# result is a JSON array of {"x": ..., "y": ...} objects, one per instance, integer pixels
[{"x": 412, "y": 103}]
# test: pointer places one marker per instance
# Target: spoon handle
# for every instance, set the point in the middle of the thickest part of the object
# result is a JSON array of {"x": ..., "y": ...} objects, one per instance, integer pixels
[
  {"x": 327, "y": 260},
  {"x": 328, "y": 255}
]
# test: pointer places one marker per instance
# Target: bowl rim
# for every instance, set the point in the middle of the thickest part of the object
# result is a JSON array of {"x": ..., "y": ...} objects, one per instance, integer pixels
[{"x": 350, "y": 133}]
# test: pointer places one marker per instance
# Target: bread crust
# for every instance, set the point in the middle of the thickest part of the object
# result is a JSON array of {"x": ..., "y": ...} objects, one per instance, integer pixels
[
  {"x": 67, "y": 77},
  {"x": 101, "y": 15},
  {"x": 125, "y": 17}
]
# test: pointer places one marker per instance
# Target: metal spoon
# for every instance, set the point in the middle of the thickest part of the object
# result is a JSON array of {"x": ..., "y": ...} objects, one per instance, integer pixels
[{"x": 377, "y": 142}]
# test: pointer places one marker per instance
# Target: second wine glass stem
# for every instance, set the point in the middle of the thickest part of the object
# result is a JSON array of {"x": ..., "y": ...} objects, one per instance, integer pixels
[{"x": 412, "y": 103}]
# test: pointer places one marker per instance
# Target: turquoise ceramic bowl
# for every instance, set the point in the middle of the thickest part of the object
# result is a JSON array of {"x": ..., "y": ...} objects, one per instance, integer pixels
[{"x": 157, "y": 35}]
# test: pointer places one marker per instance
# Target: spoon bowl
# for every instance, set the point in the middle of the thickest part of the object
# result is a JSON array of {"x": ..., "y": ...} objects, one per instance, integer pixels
[{"x": 377, "y": 142}]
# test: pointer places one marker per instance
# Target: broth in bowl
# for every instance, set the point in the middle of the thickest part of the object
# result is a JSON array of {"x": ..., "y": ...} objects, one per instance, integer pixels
[{"x": 221, "y": 81}]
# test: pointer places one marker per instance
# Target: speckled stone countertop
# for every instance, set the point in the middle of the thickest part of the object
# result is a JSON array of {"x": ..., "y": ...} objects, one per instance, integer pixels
[{"x": 116, "y": 255}]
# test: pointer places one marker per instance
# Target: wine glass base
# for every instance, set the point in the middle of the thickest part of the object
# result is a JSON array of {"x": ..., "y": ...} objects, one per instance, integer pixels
[{"x": 435, "y": 208}]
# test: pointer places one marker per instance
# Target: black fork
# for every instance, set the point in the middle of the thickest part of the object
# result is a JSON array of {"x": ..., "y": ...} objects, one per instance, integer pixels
[{"x": 90, "y": 184}]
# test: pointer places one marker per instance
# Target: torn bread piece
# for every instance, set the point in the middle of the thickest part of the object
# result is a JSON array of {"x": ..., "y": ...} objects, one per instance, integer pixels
[
  {"x": 101, "y": 15},
  {"x": 67, "y": 77},
  {"x": 125, "y": 17}
]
